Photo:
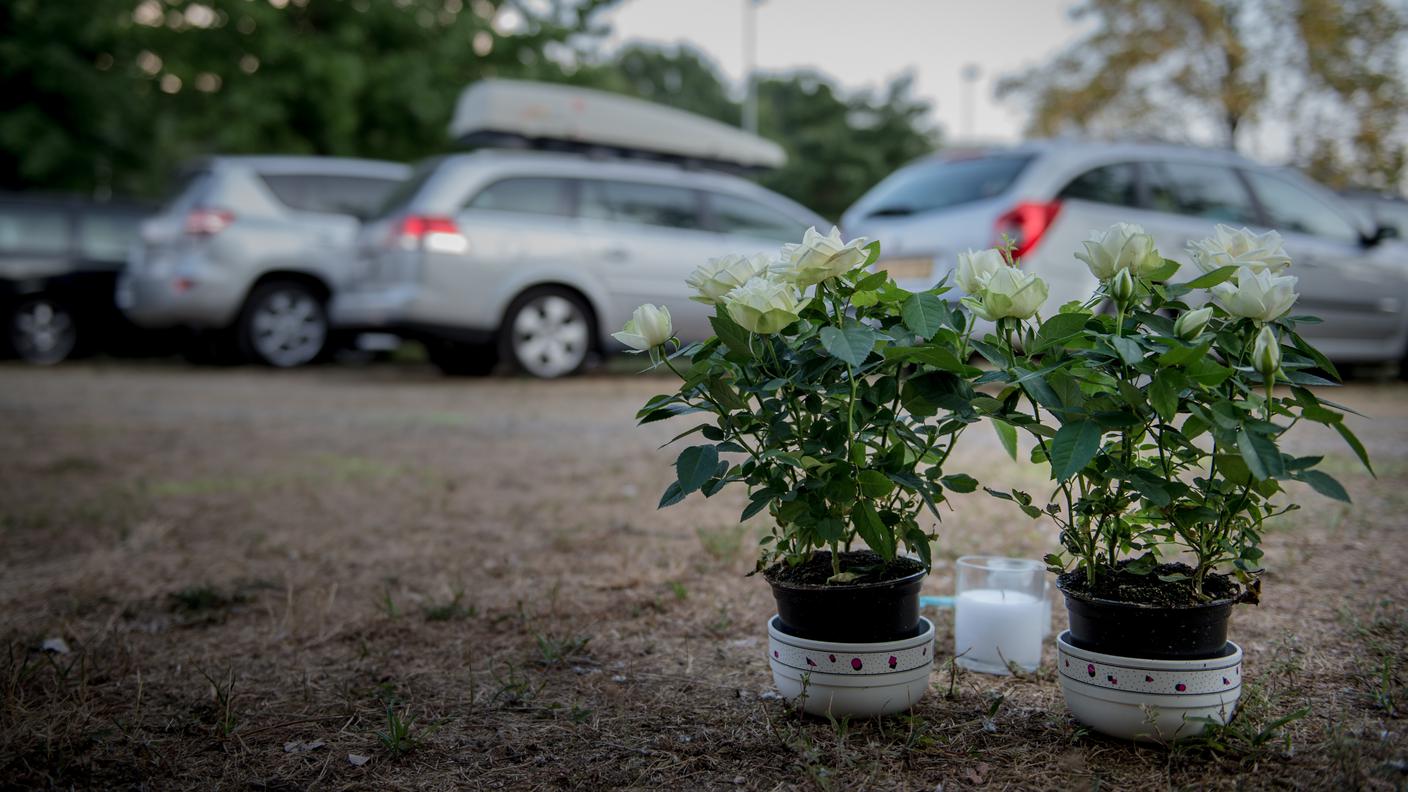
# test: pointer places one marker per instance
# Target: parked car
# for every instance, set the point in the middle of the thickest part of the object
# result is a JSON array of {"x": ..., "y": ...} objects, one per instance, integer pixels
[
  {"x": 535, "y": 257},
  {"x": 250, "y": 249},
  {"x": 59, "y": 261},
  {"x": 1049, "y": 195},
  {"x": 1384, "y": 210}
]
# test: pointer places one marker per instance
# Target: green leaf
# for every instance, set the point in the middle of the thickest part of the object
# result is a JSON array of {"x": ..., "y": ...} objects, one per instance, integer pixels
[
  {"x": 1183, "y": 355},
  {"x": 1073, "y": 446},
  {"x": 694, "y": 466},
  {"x": 851, "y": 344},
  {"x": 1325, "y": 484},
  {"x": 872, "y": 529},
  {"x": 1358, "y": 447},
  {"x": 1164, "y": 271},
  {"x": 729, "y": 332},
  {"x": 1211, "y": 279},
  {"x": 1007, "y": 435},
  {"x": 1059, "y": 329},
  {"x": 919, "y": 543},
  {"x": 936, "y": 356},
  {"x": 1163, "y": 392},
  {"x": 725, "y": 395},
  {"x": 1261, "y": 455},
  {"x": 1206, "y": 371},
  {"x": 759, "y": 502},
  {"x": 923, "y": 314},
  {"x": 960, "y": 482},
  {"x": 673, "y": 494},
  {"x": 874, "y": 484},
  {"x": 1128, "y": 349}
]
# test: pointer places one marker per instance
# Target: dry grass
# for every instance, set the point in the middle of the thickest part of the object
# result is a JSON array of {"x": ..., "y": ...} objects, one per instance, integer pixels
[{"x": 259, "y": 574}]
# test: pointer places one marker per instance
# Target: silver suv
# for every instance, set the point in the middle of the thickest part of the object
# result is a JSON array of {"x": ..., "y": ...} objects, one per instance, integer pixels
[
  {"x": 534, "y": 257},
  {"x": 1049, "y": 195},
  {"x": 252, "y": 248}
]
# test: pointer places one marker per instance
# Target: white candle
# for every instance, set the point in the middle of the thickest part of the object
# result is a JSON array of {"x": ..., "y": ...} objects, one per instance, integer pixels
[{"x": 993, "y": 627}]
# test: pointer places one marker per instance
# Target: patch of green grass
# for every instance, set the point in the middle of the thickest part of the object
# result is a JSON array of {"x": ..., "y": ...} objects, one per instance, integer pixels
[
  {"x": 450, "y": 611},
  {"x": 723, "y": 543},
  {"x": 559, "y": 649},
  {"x": 399, "y": 737},
  {"x": 222, "y": 704},
  {"x": 203, "y": 600}
]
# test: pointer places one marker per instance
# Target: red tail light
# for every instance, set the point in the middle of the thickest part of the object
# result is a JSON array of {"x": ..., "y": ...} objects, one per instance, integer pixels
[
  {"x": 203, "y": 222},
  {"x": 1026, "y": 223},
  {"x": 429, "y": 232}
]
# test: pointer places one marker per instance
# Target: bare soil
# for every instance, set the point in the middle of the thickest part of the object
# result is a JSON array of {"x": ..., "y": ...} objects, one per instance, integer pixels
[{"x": 239, "y": 573}]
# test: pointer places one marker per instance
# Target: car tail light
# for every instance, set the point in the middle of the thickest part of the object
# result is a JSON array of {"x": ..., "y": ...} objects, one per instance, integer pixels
[
  {"x": 206, "y": 222},
  {"x": 434, "y": 233},
  {"x": 1026, "y": 223}
]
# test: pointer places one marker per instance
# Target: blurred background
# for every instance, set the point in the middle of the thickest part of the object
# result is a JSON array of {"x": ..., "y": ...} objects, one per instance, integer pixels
[{"x": 130, "y": 203}]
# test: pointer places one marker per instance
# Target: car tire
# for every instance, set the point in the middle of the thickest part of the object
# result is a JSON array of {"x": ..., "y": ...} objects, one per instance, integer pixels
[
  {"x": 284, "y": 324},
  {"x": 548, "y": 333},
  {"x": 43, "y": 331},
  {"x": 462, "y": 360}
]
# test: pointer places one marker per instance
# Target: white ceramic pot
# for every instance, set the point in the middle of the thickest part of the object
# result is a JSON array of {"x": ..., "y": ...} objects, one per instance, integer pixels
[
  {"x": 851, "y": 679},
  {"x": 1148, "y": 700}
]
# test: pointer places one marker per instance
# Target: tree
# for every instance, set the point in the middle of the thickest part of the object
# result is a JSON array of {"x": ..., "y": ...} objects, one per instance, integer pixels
[
  {"x": 110, "y": 95},
  {"x": 1325, "y": 71}
]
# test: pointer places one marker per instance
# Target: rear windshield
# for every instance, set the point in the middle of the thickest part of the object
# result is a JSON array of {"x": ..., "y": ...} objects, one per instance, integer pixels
[
  {"x": 938, "y": 184},
  {"x": 399, "y": 197},
  {"x": 359, "y": 196}
]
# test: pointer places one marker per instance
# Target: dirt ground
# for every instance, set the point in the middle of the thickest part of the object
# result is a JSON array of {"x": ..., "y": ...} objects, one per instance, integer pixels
[{"x": 248, "y": 570}]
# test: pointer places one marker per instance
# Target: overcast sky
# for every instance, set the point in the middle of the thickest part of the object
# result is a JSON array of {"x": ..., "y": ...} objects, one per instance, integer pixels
[{"x": 864, "y": 44}]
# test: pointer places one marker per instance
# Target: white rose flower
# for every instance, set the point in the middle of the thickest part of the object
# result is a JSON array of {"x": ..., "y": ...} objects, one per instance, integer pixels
[
  {"x": 719, "y": 276},
  {"x": 975, "y": 267},
  {"x": 648, "y": 328},
  {"x": 820, "y": 257},
  {"x": 1190, "y": 325},
  {"x": 1266, "y": 352},
  {"x": 764, "y": 305},
  {"x": 1122, "y": 246},
  {"x": 1239, "y": 247},
  {"x": 1010, "y": 292},
  {"x": 1256, "y": 294}
]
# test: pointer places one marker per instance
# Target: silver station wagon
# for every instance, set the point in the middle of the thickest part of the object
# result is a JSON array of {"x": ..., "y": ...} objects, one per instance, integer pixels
[
  {"x": 1049, "y": 196},
  {"x": 534, "y": 257}
]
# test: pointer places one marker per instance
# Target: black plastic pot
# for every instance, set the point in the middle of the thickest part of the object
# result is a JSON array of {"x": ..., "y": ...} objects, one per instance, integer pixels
[
  {"x": 1131, "y": 630},
  {"x": 850, "y": 613}
]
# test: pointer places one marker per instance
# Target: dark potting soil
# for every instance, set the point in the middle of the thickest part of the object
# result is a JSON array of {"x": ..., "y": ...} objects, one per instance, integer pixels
[
  {"x": 868, "y": 566},
  {"x": 1126, "y": 586}
]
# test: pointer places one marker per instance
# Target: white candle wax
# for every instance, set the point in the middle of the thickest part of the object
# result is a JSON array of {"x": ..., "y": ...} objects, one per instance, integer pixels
[{"x": 992, "y": 621}]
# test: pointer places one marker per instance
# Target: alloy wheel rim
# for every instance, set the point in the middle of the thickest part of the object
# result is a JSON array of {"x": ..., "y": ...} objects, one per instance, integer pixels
[
  {"x": 550, "y": 336},
  {"x": 288, "y": 329},
  {"x": 43, "y": 332}
]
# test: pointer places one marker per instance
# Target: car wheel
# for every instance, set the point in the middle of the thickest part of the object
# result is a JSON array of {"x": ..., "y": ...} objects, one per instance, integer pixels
[
  {"x": 42, "y": 331},
  {"x": 547, "y": 333},
  {"x": 462, "y": 360},
  {"x": 284, "y": 325}
]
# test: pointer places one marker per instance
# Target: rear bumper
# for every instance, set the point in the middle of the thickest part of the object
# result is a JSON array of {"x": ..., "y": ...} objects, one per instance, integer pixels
[
  {"x": 185, "y": 291},
  {"x": 396, "y": 309}
]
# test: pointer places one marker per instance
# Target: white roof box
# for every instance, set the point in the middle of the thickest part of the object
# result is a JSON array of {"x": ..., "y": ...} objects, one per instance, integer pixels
[{"x": 518, "y": 114}]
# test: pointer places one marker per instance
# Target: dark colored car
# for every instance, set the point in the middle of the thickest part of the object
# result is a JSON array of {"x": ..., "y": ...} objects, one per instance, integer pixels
[{"x": 59, "y": 262}]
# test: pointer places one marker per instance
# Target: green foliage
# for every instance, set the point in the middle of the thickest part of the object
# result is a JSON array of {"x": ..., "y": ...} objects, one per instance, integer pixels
[
  {"x": 1155, "y": 441},
  {"x": 98, "y": 101},
  {"x": 837, "y": 426}
]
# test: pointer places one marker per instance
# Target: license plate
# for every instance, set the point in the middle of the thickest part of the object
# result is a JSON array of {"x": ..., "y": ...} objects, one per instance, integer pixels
[{"x": 906, "y": 268}]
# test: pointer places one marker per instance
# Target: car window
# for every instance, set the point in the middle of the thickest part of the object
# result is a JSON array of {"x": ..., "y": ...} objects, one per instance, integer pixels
[
  {"x": 33, "y": 229},
  {"x": 936, "y": 184},
  {"x": 1292, "y": 208},
  {"x": 106, "y": 237},
  {"x": 541, "y": 196},
  {"x": 359, "y": 196},
  {"x": 735, "y": 215},
  {"x": 1201, "y": 190},
  {"x": 632, "y": 202},
  {"x": 1108, "y": 184}
]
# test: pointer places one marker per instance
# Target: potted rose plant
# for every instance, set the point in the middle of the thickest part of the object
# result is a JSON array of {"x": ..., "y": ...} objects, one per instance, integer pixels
[
  {"x": 1161, "y": 423},
  {"x": 834, "y": 397}
]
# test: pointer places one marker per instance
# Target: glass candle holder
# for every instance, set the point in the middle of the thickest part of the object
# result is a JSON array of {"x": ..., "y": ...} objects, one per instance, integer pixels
[{"x": 999, "y": 606}]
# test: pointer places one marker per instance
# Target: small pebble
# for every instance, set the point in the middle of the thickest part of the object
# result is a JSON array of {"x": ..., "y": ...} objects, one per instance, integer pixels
[{"x": 55, "y": 645}]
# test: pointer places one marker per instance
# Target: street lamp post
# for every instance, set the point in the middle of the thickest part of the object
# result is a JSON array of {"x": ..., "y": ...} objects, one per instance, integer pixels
[
  {"x": 970, "y": 74},
  {"x": 750, "y": 56}
]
